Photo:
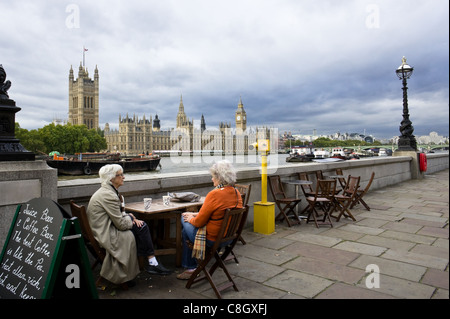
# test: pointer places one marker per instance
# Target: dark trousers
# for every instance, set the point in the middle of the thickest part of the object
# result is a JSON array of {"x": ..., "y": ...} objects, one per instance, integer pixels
[{"x": 144, "y": 242}]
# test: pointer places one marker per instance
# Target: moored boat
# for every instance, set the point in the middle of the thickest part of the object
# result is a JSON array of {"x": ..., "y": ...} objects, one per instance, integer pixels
[{"x": 88, "y": 166}]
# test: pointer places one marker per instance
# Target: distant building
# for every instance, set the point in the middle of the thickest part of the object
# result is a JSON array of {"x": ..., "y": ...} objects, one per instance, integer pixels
[
  {"x": 142, "y": 136},
  {"x": 83, "y": 98}
]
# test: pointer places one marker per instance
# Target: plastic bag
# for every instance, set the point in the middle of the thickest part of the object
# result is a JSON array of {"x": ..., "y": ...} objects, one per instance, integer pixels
[{"x": 185, "y": 197}]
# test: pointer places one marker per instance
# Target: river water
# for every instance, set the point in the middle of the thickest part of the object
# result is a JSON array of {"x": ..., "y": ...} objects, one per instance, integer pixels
[{"x": 179, "y": 164}]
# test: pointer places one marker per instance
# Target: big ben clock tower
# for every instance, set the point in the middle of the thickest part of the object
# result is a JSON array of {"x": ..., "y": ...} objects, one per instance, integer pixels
[{"x": 241, "y": 116}]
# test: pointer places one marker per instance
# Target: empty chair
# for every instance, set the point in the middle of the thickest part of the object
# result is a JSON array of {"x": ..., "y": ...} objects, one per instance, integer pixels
[
  {"x": 231, "y": 229},
  {"x": 341, "y": 180},
  {"x": 285, "y": 204},
  {"x": 323, "y": 199},
  {"x": 347, "y": 197},
  {"x": 361, "y": 192},
  {"x": 307, "y": 189}
]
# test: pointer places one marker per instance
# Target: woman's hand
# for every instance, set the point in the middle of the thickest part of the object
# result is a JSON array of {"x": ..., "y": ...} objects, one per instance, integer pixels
[
  {"x": 138, "y": 222},
  {"x": 188, "y": 216}
]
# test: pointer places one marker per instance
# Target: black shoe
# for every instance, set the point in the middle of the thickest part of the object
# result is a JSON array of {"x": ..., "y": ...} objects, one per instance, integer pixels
[{"x": 157, "y": 270}]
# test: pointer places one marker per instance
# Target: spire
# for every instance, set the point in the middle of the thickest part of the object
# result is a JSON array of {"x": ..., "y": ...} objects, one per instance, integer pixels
[{"x": 181, "y": 107}]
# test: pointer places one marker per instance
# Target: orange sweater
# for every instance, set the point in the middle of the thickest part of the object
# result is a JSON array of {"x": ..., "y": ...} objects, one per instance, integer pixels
[{"x": 213, "y": 210}]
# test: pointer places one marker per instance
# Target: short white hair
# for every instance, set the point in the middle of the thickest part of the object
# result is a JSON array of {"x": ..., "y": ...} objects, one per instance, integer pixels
[
  {"x": 224, "y": 172},
  {"x": 108, "y": 172}
]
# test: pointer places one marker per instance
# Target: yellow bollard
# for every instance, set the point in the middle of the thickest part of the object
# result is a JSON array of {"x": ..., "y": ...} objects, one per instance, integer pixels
[{"x": 264, "y": 212}]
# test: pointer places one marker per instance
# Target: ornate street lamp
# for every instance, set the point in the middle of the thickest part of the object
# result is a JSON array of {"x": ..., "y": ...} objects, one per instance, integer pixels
[{"x": 407, "y": 141}]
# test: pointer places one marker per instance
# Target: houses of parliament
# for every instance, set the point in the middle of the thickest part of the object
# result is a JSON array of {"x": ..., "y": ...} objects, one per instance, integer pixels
[{"x": 144, "y": 135}]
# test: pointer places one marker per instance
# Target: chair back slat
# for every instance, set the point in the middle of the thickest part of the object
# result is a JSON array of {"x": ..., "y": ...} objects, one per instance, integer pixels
[
  {"x": 244, "y": 190},
  {"x": 79, "y": 211},
  {"x": 276, "y": 187},
  {"x": 352, "y": 185},
  {"x": 326, "y": 188},
  {"x": 308, "y": 188}
]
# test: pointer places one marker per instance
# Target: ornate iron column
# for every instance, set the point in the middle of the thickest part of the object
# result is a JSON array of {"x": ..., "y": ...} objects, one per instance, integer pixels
[
  {"x": 407, "y": 141},
  {"x": 10, "y": 148}
]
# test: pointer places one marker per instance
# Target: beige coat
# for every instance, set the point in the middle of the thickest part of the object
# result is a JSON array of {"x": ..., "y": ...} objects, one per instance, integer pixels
[{"x": 111, "y": 228}]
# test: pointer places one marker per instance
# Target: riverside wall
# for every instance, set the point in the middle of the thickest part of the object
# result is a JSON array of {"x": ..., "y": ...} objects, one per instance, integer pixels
[
  {"x": 388, "y": 171},
  {"x": 23, "y": 181}
]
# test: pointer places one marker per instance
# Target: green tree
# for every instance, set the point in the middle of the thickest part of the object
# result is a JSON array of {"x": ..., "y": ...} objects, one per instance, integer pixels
[{"x": 66, "y": 139}]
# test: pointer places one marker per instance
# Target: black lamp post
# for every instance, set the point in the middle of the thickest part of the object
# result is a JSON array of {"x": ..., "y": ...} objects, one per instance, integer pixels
[{"x": 407, "y": 141}]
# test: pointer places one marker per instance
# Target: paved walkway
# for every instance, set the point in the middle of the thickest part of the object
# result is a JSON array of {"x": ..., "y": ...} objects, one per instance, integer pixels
[{"x": 405, "y": 235}]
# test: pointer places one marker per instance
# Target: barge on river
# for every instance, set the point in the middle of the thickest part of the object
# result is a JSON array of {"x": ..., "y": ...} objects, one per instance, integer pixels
[{"x": 87, "y": 165}]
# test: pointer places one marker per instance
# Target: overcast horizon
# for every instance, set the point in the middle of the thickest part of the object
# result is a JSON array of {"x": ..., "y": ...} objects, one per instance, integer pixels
[{"x": 297, "y": 65}]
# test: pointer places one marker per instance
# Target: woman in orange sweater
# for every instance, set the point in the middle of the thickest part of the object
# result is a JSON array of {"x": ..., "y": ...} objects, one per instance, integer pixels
[{"x": 223, "y": 196}]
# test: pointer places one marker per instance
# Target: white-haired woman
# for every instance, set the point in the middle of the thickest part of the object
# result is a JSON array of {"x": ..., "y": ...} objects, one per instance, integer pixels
[
  {"x": 122, "y": 235},
  {"x": 223, "y": 196}
]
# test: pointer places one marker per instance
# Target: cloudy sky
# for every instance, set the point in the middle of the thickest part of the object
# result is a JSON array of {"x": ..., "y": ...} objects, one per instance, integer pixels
[{"x": 298, "y": 65}]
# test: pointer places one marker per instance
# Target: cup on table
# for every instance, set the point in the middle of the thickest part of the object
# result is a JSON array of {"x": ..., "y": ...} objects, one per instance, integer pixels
[
  {"x": 166, "y": 200},
  {"x": 147, "y": 203}
]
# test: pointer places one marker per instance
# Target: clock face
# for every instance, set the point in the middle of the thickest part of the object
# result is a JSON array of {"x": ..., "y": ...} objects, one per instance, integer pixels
[
  {"x": 238, "y": 117},
  {"x": 244, "y": 118}
]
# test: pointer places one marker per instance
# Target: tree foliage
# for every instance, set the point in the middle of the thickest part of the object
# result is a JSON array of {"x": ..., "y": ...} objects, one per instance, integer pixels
[{"x": 66, "y": 139}]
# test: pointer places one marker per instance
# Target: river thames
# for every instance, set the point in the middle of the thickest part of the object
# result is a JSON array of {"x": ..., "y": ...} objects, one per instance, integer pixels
[{"x": 180, "y": 164}]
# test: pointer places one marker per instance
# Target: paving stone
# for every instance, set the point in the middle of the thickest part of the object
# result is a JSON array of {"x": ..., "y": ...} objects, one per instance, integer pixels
[
  {"x": 272, "y": 242},
  {"x": 402, "y": 288},
  {"x": 342, "y": 234},
  {"x": 362, "y": 229},
  {"x": 299, "y": 283},
  {"x": 386, "y": 242},
  {"x": 424, "y": 217},
  {"x": 433, "y": 231},
  {"x": 408, "y": 237},
  {"x": 417, "y": 259},
  {"x": 314, "y": 239},
  {"x": 344, "y": 291},
  {"x": 253, "y": 269},
  {"x": 423, "y": 222},
  {"x": 361, "y": 248},
  {"x": 372, "y": 222},
  {"x": 441, "y": 294},
  {"x": 403, "y": 227},
  {"x": 322, "y": 253},
  {"x": 431, "y": 250},
  {"x": 271, "y": 256},
  {"x": 326, "y": 269},
  {"x": 436, "y": 278}
]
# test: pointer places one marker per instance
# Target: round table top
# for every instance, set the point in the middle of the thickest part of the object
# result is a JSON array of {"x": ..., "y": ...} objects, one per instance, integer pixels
[{"x": 298, "y": 182}]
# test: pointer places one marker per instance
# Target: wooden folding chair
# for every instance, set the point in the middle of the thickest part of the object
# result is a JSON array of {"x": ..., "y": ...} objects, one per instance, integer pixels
[
  {"x": 285, "y": 204},
  {"x": 244, "y": 190},
  {"x": 319, "y": 174},
  {"x": 231, "y": 229},
  {"x": 361, "y": 192},
  {"x": 341, "y": 180},
  {"x": 323, "y": 198},
  {"x": 245, "y": 194},
  {"x": 347, "y": 197},
  {"x": 98, "y": 252},
  {"x": 307, "y": 190},
  {"x": 91, "y": 243}
]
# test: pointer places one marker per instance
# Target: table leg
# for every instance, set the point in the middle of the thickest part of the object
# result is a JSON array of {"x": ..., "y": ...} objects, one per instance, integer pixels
[{"x": 179, "y": 244}]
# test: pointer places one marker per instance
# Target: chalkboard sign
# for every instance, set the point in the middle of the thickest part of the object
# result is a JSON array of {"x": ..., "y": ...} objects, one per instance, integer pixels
[{"x": 44, "y": 255}]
